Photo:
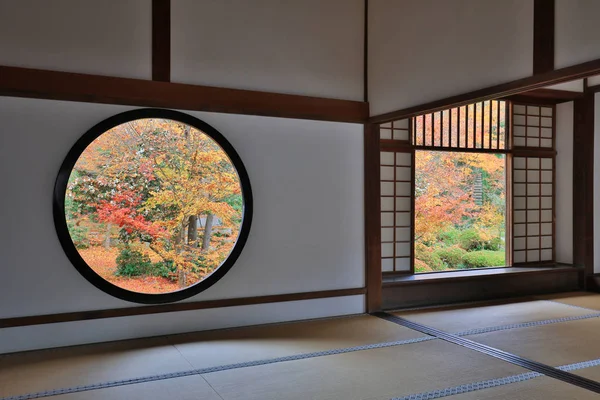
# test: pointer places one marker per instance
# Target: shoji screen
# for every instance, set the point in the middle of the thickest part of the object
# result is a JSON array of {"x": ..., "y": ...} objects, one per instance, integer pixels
[
  {"x": 397, "y": 161},
  {"x": 533, "y": 184}
]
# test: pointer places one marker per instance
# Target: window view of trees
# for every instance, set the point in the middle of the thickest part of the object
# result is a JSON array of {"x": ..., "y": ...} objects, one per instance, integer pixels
[
  {"x": 459, "y": 210},
  {"x": 154, "y": 205}
]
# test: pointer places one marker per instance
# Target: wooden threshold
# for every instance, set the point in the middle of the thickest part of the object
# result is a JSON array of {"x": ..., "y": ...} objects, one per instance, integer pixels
[
  {"x": 173, "y": 307},
  {"x": 461, "y": 286},
  {"x": 530, "y": 83},
  {"x": 54, "y": 85}
]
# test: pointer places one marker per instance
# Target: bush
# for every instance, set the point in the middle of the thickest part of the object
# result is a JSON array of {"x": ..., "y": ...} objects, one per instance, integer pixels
[
  {"x": 470, "y": 240},
  {"x": 79, "y": 235},
  {"x": 427, "y": 256},
  {"x": 451, "y": 256},
  {"x": 495, "y": 244},
  {"x": 133, "y": 263},
  {"x": 449, "y": 237},
  {"x": 484, "y": 258},
  {"x": 420, "y": 266},
  {"x": 164, "y": 269}
]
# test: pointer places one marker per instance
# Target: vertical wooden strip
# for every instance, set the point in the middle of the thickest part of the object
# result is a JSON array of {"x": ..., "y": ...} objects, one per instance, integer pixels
[
  {"x": 450, "y": 127},
  {"x": 509, "y": 210},
  {"x": 423, "y": 128},
  {"x": 372, "y": 217},
  {"x": 366, "y": 53},
  {"x": 481, "y": 126},
  {"x": 474, "y": 145},
  {"x": 497, "y": 124},
  {"x": 543, "y": 36},
  {"x": 161, "y": 40},
  {"x": 412, "y": 210},
  {"x": 458, "y": 126},
  {"x": 507, "y": 125},
  {"x": 583, "y": 184},
  {"x": 490, "y": 125},
  {"x": 432, "y": 128}
]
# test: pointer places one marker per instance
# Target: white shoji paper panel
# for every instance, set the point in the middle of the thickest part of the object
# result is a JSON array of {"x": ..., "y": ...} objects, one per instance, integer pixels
[
  {"x": 533, "y": 207},
  {"x": 533, "y": 126},
  {"x": 396, "y": 130},
  {"x": 396, "y": 208}
]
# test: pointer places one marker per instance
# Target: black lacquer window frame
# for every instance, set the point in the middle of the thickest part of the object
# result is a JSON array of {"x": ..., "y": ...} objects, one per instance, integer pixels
[{"x": 64, "y": 236}]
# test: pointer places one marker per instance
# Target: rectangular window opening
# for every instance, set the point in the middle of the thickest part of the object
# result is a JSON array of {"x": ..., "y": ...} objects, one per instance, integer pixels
[{"x": 460, "y": 210}]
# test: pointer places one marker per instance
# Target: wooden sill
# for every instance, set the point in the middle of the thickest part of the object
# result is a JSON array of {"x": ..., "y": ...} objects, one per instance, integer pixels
[{"x": 399, "y": 280}]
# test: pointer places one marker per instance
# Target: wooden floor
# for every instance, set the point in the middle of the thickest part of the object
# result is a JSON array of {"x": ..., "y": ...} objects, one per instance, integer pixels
[{"x": 358, "y": 357}]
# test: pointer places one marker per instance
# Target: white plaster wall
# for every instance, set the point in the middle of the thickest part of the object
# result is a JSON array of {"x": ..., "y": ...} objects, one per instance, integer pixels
[
  {"x": 425, "y": 50},
  {"x": 306, "y": 47},
  {"x": 573, "y": 86},
  {"x": 564, "y": 183},
  {"x": 577, "y": 32},
  {"x": 108, "y": 37},
  {"x": 308, "y": 226},
  {"x": 101, "y": 330}
]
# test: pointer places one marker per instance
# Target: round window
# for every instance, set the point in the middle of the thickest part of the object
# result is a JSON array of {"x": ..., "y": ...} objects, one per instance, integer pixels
[{"x": 152, "y": 205}]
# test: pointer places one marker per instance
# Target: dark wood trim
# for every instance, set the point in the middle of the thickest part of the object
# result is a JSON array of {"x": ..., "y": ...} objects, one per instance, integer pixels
[
  {"x": 42, "y": 84},
  {"x": 538, "y": 81},
  {"x": 583, "y": 183},
  {"x": 372, "y": 217},
  {"x": 545, "y": 96},
  {"x": 593, "y": 89},
  {"x": 592, "y": 283},
  {"x": 174, "y": 307},
  {"x": 442, "y": 290},
  {"x": 366, "y": 53},
  {"x": 161, "y": 40},
  {"x": 543, "y": 36}
]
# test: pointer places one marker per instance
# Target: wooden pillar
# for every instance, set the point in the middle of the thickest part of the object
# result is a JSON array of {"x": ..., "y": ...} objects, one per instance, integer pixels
[
  {"x": 583, "y": 186},
  {"x": 372, "y": 217}
]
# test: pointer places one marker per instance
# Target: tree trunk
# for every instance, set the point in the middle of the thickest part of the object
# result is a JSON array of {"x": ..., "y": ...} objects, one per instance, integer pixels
[
  {"x": 207, "y": 232},
  {"x": 192, "y": 230},
  {"x": 107, "y": 237}
]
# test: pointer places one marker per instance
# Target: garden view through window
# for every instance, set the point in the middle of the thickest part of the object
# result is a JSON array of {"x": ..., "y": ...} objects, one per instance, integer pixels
[
  {"x": 154, "y": 205},
  {"x": 460, "y": 208}
]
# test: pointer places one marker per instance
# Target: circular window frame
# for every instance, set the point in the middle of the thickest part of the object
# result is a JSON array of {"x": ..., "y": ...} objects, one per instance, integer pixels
[{"x": 60, "y": 220}]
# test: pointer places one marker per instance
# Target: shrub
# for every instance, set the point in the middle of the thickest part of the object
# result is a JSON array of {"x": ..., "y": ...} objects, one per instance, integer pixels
[
  {"x": 132, "y": 263},
  {"x": 449, "y": 237},
  {"x": 79, "y": 235},
  {"x": 484, "y": 258},
  {"x": 164, "y": 269},
  {"x": 470, "y": 240},
  {"x": 495, "y": 244},
  {"x": 451, "y": 256},
  {"x": 427, "y": 256},
  {"x": 420, "y": 266}
]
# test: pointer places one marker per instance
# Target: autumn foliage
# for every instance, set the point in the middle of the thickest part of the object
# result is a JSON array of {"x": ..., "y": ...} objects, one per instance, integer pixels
[
  {"x": 161, "y": 190},
  {"x": 459, "y": 209}
]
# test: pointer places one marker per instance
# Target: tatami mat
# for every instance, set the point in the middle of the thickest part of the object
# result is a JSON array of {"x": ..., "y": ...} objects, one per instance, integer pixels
[
  {"x": 541, "y": 388},
  {"x": 43, "y": 370},
  {"x": 554, "y": 344},
  {"x": 579, "y": 299},
  {"x": 188, "y": 388},
  {"x": 376, "y": 373},
  {"x": 592, "y": 373},
  {"x": 462, "y": 318},
  {"x": 256, "y": 343}
]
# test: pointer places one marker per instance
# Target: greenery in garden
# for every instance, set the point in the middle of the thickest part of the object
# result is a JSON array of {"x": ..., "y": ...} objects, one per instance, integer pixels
[{"x": 154, "y": 205}]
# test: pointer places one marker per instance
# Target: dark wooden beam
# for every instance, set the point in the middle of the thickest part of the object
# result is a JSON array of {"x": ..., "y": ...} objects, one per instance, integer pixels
[
  {"x": 161, "y": 40},
  {"x": 173, "y": 307},
  {"x": 583, "y": 183},
  {"x": 372, "y": 217},
  {"x": 543, "y": 36},
  {"x": 545, "y": 96},
  {"x": 35, "y": 83},
  {"x": 538, "y": 81}
]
